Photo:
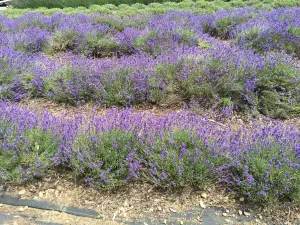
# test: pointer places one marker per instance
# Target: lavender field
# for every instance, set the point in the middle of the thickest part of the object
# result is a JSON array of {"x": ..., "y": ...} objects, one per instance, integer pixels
[{"x": 242, "y": 61}]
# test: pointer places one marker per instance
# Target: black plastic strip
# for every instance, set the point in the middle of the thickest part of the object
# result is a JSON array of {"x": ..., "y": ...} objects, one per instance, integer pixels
[{"x": 9, "y": 200}]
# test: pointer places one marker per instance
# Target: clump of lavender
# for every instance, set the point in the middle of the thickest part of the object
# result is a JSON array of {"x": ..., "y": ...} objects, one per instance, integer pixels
[
  {"x": 267, "y": 170},
  {"x": 223, "y": 23},
  {"x": 260, "y": 162},
  {"x": 26, "y": 145}
]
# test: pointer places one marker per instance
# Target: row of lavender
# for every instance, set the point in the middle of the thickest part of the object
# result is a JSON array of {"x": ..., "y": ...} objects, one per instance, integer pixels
[
  {"x": 161, "y": 59},
  {"x": 277, "y": 30},
  {"x": 104, "y": 35},
  {"x": 260, "y": 162}
]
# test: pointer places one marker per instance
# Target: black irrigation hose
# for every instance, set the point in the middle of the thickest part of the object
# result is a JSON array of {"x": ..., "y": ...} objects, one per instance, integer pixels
[
  {"x": 8, "y": 217},
  {"x": 9, "y": 200}
]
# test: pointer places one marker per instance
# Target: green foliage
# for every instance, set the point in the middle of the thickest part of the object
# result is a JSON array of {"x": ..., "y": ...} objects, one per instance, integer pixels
[
  {"x": 165, "y": 76},
  {"x": 162, "y": 41},
  {"x": 223, "y": 27},
  {"x": 188, "y": 37},
  {"x": 62, "y": 41},
  {"x": 109, "y": 21},
  {"x": 180, "y": 158},
  {"x": 295, "y": 31},
  {"x": 255, "y": 40},
  {"x": 250, "y": 34},
  {"x": 266, "y": 172},
  {"x": 30, "y": 47},
  {"x": 49, "y": 4},
  {"x": 204, "y": 45},
  {"x": 117, "y": 87},
  {"x": 77, "y": 3},
  {"x": 141, "y": 42},
  {"x": 70, "y": 85},
  {"x": 96, "y": 153},
  {"x": 137, "y": 6},
  {"x": 28, "y": 85},
  {"x": 30, "y": 156},
  {"x": 278, "y": 91},
  {"x": 198, "y": 84},
  {"x": 6, "y": 78},
  {"x": 96, "y": 44}
]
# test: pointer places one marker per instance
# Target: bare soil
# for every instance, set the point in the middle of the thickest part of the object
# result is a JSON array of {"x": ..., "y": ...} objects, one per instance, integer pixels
[{"x": 138, "y": 201}]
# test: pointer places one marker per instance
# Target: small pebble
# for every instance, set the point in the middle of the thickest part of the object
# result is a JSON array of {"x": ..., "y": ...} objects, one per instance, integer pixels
[
  {"x": 41, "y": 194},
  {"x": 202, "y": 205},
  {"x": 159, "y": 208},
  {"x": 240, "y": 212},
  {"x": 224, "y": 214},
  {"x": 246, "y": 213},
  {"x": 21, "y": 209},
  {"x": 22, "y": 192},
  {"x": 204, "y": 195},
  {"x": 173, "y": 210},
  {"x": 60, "y": 188},
  {"x": 227, "y": 211},
  {"x": 1, "y": 205},
  {"x": 242, "y": 199}
]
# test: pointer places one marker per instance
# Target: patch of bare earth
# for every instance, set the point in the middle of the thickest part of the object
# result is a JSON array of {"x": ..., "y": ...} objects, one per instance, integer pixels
[
  {"x": 137, "y": 201},
  {"x": 41, "y": 105}
]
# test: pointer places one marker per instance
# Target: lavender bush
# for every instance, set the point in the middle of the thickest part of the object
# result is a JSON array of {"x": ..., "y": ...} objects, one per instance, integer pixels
[
  {"x": 222, "y": 23},
  {"x": 261, "y": 162}
]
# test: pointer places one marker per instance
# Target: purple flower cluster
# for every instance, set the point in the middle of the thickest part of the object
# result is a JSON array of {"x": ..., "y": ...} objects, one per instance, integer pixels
[{"x": 261, "y": 161}]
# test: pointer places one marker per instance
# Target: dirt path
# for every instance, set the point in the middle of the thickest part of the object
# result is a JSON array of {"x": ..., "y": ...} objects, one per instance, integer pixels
[
  {"x": 90, "y": 108},
  {"x": 137, "y": 204}
]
